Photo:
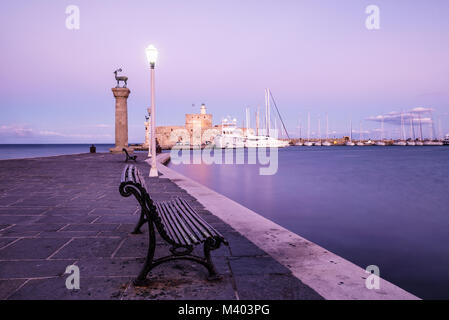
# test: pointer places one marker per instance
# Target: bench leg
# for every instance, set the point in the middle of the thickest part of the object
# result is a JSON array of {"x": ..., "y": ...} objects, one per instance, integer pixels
[
  {"x": 140, "y": 280},
  {"x": 210, "y": 245},
  {"x": 139, "y": 224}
]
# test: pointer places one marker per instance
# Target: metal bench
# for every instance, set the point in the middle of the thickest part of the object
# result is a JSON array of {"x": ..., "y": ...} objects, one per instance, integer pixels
[
  {"x": 177, "y": 223},
  {"x": 128, "y": 157}
]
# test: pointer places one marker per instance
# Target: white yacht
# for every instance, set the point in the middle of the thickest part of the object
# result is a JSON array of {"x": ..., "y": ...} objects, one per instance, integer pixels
[
  {"x": 400, "y": 143},
  {"x": 230, "y": 137},
  {"x": 253, "y": 141},
  {"x": 411, "y": 143},
  {"x": 263, "y": 141},
  {"x": 419, "y": 143},
  {"x": 326, "y": 144}
]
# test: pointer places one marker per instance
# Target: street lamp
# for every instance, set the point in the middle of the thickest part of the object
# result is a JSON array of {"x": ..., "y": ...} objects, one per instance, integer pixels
[{"x": 152, "y": 54}]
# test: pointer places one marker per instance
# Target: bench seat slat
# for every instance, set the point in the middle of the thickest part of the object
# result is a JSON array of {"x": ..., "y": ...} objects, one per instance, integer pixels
[
  {"x": 198, "y": 229},
  {"x": 200, "y": 220},
  {"x": 185, "y": 224},
  {"x": 179, "y": 224},
  {"x": 179, "y": 238},
  {"x": 165, "y": 223}
]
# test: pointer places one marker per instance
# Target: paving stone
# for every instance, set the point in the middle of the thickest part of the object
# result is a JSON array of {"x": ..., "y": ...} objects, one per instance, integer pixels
[
  {"x": 256, "y": 265},
  {"x": 34, "y": 227},
  {"x": 66, "y": 219},
  {"x": 90, "y": 288},
  {"x": 91, "y": 227},
  {"x": 107, "y": 267},
  {"x": 7, "y": 287},
  {"x": 273, "y": 287},
  {"x": 22, "y": 211},
  {"x": 5, "y": 241},
  {"x": 33, "y": 269},
  {"x": 37, "y": 248},
  {"x": 88, "y": 248},
  {"x": 240, "y": 246}
]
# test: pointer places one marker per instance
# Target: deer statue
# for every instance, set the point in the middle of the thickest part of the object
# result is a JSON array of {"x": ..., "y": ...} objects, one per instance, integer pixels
[{"x": 124, "y": 79}]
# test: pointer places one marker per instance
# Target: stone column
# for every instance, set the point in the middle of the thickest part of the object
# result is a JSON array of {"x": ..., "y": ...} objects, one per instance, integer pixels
[{"x": 121, "y": 119}]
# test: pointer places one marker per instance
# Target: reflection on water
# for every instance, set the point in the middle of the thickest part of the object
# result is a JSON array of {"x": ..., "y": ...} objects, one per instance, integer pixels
[{"x": 372, "y": 205}]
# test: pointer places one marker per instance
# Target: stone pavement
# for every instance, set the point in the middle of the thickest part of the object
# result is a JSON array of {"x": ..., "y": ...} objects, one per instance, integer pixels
[{"x": 65, "y": 210}]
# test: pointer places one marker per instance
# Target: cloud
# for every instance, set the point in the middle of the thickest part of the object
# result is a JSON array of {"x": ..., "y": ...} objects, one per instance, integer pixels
[
  {"x": 419, "y": 114},
  {"x": 16, "y": 130},
  {"x": 24, "y": 131}
]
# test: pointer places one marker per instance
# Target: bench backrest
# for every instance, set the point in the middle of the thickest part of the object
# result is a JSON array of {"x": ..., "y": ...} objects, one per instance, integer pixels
[{"x": 132, "y": 182}]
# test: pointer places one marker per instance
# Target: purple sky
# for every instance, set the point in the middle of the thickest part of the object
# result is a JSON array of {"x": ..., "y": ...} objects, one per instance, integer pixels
[{"x": 316, "y": 56}]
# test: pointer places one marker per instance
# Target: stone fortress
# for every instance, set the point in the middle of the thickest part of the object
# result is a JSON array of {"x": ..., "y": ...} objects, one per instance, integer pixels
[{"x": 191, "y": 133}]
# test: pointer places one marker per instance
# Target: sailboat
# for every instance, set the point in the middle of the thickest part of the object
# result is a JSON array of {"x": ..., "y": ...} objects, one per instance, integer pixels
[
  {"x": 402, "y": 141},
  {"x": 265, "y": 141},
  {"x": 318, "y": 143},
  {"x": 300, "y": 142},
  {"x": 360, "y": 142},
  {"x": 411, "y": 142},
  {"x": 350, "y": 143},
  {"x": 308, "y": 143},
  {"x": 381, "y": 142},
  {"x": 327, "y": 143},
  {"x": 432, "y": 141},
  {"x": 419, "y": 142}
]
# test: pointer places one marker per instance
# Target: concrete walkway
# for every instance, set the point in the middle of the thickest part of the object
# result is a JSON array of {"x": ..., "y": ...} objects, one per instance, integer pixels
[{"x": 66, "y": 210}]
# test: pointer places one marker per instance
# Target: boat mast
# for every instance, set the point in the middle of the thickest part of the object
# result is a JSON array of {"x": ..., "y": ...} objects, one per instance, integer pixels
[
  {"x": 267, "y": 112},
  {"x": 360, "y": 138},
  {"x": 319, "y": 129},
  {"x": 247, "y": 121},
  {"x": 257, "y": 121},
  {"x": 402, "y": 127},
  {"x": 432, "y": 127},
  {"x": 420, "y": 125},
  {"x": 350, "y": 135},
  {"x": 308, "y": 126},
  {"x": 382, "y": 130},
  {"x": 327, "y": 126},
  {"x": 412, "y": 129}
]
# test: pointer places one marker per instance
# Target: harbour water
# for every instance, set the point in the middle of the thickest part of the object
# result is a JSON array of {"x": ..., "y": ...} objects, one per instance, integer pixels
[
  {"x": 19, "y": 151},
  {"x": 383, "y": 206}
]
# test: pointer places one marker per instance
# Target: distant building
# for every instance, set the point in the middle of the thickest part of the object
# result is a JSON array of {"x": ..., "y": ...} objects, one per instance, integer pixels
[{"x": 195, "y": 125}]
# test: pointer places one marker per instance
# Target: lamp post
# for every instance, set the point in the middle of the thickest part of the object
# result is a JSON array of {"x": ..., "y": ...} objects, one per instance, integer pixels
[{"x": 152, "y": 54}]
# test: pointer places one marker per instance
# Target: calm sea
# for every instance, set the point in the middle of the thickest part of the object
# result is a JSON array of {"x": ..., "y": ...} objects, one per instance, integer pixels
[
  {"x": 19, "y": 151},
  {"x": 384, "y": 206}
]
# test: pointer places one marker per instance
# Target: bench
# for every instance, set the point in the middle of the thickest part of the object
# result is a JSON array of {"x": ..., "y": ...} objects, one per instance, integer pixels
[
  {"x": 128, "y": 157},
  {"x": 177, "y": 223}
]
